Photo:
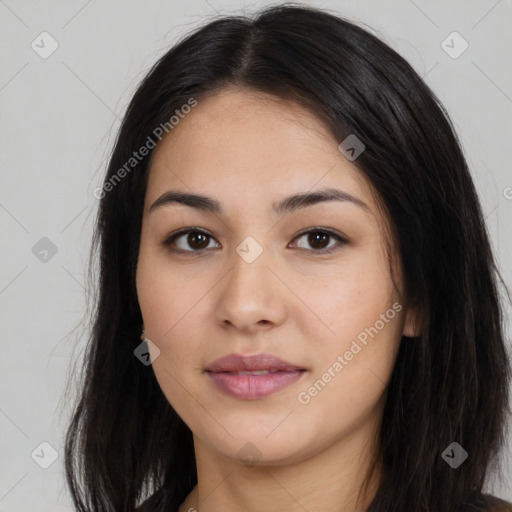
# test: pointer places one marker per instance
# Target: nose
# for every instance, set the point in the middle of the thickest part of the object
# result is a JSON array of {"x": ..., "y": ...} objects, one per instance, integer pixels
[{"x": 251, "y": 296}]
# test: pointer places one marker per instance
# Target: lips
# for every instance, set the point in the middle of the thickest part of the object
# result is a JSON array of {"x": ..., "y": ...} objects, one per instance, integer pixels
[
  {"x": 251, "y": 363},
  {"x": 252, "y": 377}
]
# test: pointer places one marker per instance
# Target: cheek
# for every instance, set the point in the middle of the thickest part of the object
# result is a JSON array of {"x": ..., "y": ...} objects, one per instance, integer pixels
[
  {"x": 171, "y": 321},
  {"x": 349, "y": 298},
  {"x": 352, "y": 367},
  {"x": 152, "y": 294},
  {"x": 361, "y": 322},
  {"x": 164, "y": 295},
  {"x": 173, "y": 309}
]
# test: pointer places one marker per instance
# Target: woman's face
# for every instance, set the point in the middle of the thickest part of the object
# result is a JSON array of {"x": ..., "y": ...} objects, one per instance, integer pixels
[{"x": 250, "y": 280}]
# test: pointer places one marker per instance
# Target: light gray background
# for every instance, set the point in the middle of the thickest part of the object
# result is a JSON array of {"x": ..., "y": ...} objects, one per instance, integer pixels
[{"x": 59, "y": 119}]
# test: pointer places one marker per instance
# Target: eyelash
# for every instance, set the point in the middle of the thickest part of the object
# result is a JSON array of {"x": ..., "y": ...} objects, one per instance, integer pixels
[{"x": 169, "y": 240}]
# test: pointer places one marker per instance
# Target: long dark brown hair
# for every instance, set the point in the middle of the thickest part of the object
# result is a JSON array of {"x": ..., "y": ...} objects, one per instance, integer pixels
[{"x": 449, "y": 384}]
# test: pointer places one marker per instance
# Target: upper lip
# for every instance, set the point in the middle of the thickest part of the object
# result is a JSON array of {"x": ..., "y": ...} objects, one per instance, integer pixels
[{"x": 239, "y": 362}]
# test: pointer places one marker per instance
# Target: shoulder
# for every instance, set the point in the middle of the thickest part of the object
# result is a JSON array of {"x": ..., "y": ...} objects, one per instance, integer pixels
[{"x": 497, "y": 504}]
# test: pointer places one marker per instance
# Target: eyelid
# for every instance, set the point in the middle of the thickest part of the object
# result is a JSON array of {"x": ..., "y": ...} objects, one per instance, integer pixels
[{"x": 342, "y": 239}]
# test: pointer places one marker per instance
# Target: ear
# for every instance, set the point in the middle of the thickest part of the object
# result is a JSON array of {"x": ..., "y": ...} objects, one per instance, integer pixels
[{"x": 412, "y": 322}]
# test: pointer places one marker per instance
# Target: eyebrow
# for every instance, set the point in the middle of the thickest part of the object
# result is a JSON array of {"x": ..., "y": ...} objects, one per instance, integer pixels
[{"x": 286, "y": 205}]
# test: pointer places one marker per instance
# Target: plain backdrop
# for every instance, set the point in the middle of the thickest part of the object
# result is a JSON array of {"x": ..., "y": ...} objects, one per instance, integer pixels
[{"x": 59, "y": 117}]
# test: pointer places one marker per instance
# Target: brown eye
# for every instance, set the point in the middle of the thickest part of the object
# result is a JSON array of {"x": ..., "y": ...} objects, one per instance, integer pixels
[
  {"x": 197, "y": 240},
  {"x": 188, "y": 241},
  {"x": 318, "y": 239}
]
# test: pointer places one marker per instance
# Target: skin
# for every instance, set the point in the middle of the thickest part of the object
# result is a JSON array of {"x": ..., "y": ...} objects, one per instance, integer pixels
[{"x": 247, "y": 150}]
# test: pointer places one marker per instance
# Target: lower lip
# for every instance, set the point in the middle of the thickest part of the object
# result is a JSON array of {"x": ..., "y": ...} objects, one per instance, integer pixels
[{"x": 252, "y": 387}]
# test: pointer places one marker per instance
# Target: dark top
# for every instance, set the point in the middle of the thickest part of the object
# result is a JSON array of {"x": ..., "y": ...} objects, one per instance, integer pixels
[
  {"x": 497, "y": 504},
  {"x": 153, "y": 504}
]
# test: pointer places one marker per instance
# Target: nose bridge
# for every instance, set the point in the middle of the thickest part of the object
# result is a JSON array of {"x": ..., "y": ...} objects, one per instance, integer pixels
[
  {"x": 249, "y": 264},
  {"x": 250, "y": 292}
]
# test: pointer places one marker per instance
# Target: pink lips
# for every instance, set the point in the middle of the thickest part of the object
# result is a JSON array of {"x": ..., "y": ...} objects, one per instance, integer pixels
[{"x": 234, "y": 375}]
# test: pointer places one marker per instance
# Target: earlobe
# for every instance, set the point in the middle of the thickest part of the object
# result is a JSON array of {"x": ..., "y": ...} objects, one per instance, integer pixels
[{"x": 412, "y": 328}]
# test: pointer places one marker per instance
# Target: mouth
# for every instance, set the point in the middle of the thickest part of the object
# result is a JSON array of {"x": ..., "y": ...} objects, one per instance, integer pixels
[
  {"x": 255, "y": 372},
  {"x": 263, "y": 362},
  {"x": 254, "y": 385},
  {"x": 253, "y": 377}
]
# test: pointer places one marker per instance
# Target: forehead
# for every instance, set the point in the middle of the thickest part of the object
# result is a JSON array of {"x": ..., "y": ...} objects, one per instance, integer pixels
[{"x": 239, "y": 143}]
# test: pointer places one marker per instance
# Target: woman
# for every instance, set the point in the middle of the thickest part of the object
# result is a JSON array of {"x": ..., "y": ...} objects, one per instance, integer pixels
[{"x": 289, "y": 224}]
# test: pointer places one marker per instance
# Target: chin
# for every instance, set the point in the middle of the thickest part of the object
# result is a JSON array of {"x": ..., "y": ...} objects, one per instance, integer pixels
[{"x": 259, "y": 447}]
